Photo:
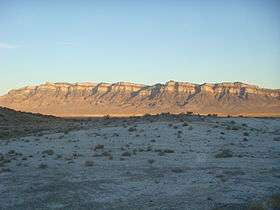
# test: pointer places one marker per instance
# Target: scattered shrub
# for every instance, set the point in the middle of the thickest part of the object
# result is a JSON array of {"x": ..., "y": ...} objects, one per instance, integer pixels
[
  {"x": 149, "y": 148},
  {"x": 58, "y": 156},
  {"x": 48, "y": 152},
  {"x": 151, "y": 161},
  {"x": 234, "y": 128},
  {"x": 134, "y": 151},
  {"x": 11, "y": 152},
  {"x": 132, "y": 129},
  {"x": 126, "y": 154},
  {"x": 177, "y": 170},
  {"x": 226, "y": 153},
  {"x": 107, "y": 117},
  {"x": 168, "y": 151},
  {"x": 256, "y": 206},
  {"x": 161, "y": 153},
  {"x": 246, "y": 134},
  {"x": 98, "y": 146},
  {"x": 274, "y": 201},
  {"x": 115, "y": 135},
  {"x": 43, "y": 166},
  {"x": 106, "y": 154},
  {"x": 276, "y": 139},
  {"x": 185, "y": 124},
  {"x": 88, "y": 163}
]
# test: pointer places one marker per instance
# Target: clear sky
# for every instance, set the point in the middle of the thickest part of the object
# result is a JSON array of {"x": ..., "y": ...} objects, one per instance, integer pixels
[{"x": 144, "y": 41}]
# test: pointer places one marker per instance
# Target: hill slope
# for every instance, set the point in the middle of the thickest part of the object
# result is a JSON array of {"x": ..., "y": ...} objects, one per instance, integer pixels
[
  {"x": 122, "y": 98},
  {"x": 14, "y": 123}
]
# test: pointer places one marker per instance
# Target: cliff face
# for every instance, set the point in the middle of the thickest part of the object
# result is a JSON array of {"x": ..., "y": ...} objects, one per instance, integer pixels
[{"x": 122, "y": 98}]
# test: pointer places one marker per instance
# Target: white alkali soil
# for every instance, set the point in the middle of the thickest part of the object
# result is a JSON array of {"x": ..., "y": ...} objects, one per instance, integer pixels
[{"x": 164, "y": 164}]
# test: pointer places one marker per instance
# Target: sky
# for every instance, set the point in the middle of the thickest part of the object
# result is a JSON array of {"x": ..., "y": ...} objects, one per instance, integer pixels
[{"x": 144, "y": 41}]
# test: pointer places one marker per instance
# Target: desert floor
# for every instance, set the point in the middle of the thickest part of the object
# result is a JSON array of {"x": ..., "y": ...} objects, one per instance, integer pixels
[{"x": 151, "y": 163}]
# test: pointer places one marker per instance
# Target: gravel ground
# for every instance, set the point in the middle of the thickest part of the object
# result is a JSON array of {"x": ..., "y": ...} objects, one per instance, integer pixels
[{"x": 205, "y": 163}]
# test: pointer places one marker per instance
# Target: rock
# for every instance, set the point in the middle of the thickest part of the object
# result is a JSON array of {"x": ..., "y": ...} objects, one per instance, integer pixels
[{"x": 123, "y": 98}]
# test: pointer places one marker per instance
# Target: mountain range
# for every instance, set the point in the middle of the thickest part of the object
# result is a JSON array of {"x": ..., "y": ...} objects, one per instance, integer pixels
[{"x": 127, "y": 99}]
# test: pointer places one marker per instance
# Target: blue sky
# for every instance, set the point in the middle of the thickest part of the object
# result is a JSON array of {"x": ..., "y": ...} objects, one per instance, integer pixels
[{"x": 143, "y": 41}]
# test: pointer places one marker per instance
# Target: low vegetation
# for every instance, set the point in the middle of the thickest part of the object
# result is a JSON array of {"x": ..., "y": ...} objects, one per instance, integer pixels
[
  {"x": 132, "y": 129},
  {"x": 89, "y": 163},
  {"x": 48, "y": 152},
  {"x": 165, "y": 153},
  {"x": 42, "y": 166},
  {"x": 126, "y": 154},
  {"x": 225, "y": 153},
  {"x": 98, "y": 147}
]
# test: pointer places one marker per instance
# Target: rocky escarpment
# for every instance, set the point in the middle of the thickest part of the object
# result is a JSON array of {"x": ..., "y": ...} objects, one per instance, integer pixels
[{"x": 122, "y": 98}]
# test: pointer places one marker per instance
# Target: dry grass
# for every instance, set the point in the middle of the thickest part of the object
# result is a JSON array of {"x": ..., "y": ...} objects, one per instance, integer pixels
[{"x": 274, "y": 201}]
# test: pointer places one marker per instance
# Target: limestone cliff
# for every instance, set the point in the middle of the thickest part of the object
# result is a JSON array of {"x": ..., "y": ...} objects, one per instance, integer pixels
[{"x": 123, "y": 98}]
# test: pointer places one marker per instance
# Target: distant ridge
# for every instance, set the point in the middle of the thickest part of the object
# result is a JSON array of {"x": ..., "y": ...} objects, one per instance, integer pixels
[{"x": 125, "y": 99}]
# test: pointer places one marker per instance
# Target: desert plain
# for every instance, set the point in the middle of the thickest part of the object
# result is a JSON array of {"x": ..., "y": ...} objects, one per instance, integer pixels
[{"x": 152, "y": 162}]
